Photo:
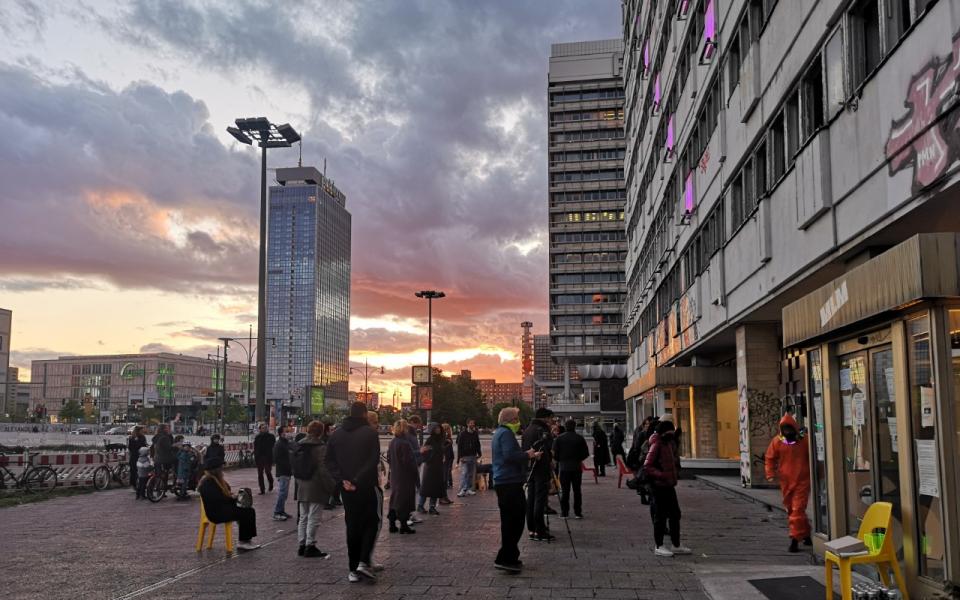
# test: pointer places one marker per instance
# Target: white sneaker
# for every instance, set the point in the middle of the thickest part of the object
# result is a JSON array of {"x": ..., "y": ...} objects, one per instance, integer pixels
[
  {"x": 461, "y": 494},
  {"x": 377, "y": 567},
  {"x": 471, "y": 493},
  {"x": 365, "y": 570},
  {"x": 247, "y": 546},
  {"x": 353, "y": 577},
  {"x": 662, "y": 551},
  {"x": 680, "y": 550}
]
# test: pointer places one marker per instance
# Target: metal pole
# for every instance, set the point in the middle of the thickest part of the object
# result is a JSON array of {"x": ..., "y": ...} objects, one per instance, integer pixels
[
  {"x": 262, "y": 293},
  {"x": 366, "y": 388},
  {"x": 143, "y": 391},
  {"x": 246, "y": 409},
  {"x": 223, "y": 404},
  {"x": 430, "y": 350}
]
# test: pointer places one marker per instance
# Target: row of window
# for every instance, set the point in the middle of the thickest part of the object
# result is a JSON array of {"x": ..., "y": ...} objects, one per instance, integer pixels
[
  {"x": 591, "y": 175},
  {"x": 571, "y": 116},
  {"x": 599, "y": 298},
  {"x": 587, "y": 135},
  {"x": 589, "y": 236},
  {"x": 587, "y": 217},
  {"x": 576, "y": 278},
  {"x": 588, "y": 196},
  {"x": 751, "y": 24},
  {"x": 587, "y": 257},
  {"x": 706, "y": 242},
  {"x": 590, "y": 340},
  {"x": 585, "y": 155},
  {"x": 575, "y": 320},
  {"x": 586, "y": 95},
  {"x": 92, "y": 369}
]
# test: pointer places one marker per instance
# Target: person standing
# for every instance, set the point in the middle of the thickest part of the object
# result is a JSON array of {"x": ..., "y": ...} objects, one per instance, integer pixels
[
  {"x": 373, "y": 419},
  {"x": 215, "y": 449},
  {"x": 787, "y": 460},
  {"x": 616, "y": 443},
  {"x": 537, "y": 437},
  {"x": 136, "y": 441},
  {"x": 431, "y": 483},
  {"x": 449, "y": 458},
  {"x": 509, "y": 464},
  {"x": 569, "y": 451},
  {"x": 403, "y": 479},
  {"x": 662, "y": 467},
  {"x": 164, "y": 455},
  {"x": 263, "y": 455},
  {"x": 414, "y": 426},
  {"x": 601, "y": 450},
  {"x": 281, "y": 458},
  {"x": 468, "y": 453},
  {"x": 353, "y": 454},
  {"x": 313, "y": 488}
]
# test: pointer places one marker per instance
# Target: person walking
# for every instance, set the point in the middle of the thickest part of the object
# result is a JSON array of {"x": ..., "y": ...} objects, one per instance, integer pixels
[
  {"x": 373, "y": 419},
  {"x": 281, "y": 460},
  {"x": 431, "y": 481},
  {"x": 449, "y": 457},
  {"x": 215, "y": 449},
  {"x": 314, "y": 484},
  {"x": 601, "y": 450},
  {"x": 509, "y": 464},
  {"x": 220, "y": 504},
  {"x": 616, "y": 442},
  {"x": 403, "y": 479},
  {"x": 468, "y": 453},
  {"x": 569, "y": 451},
  {"x": 353, "y": 454},
  {"x": 662, "y": 467},
  {"x": 787, "y": 460},
  {"x": 537, "y": 437},
  {"x": 135, "y": 441},
  {"x": 263, "y": 455}
]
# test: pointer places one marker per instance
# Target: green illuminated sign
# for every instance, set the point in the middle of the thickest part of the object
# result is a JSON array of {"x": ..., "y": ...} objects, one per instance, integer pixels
[
  {"x": 130, "y": 371},
  {"x": 317, "y": 402}
]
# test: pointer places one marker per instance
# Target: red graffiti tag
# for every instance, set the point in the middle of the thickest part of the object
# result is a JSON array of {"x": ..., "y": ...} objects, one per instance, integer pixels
[{"x": 913, "y": 141}]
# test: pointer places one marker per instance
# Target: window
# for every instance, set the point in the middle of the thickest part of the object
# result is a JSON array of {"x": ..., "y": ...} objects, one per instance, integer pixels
[
  {"x": 733, "y": 64},
  {"x": 775, "y": 137},
  {"x": 791, "y": 115},
  {"x": 811, "y": 100},
  {"x": 760, "y": 169},
  {"x": 898, "y": 20},
  {"x": 865, "y": 51},
  {"x": 833, "y": 58}
]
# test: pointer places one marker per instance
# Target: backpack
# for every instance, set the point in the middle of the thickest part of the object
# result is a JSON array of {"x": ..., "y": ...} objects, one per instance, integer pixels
[
  {"x": 633, "y": 461},
  {"x": 302, "y": 463}
]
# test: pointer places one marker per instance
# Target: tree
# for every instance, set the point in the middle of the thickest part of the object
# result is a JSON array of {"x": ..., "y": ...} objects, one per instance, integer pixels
[
  {"x": 526, "y": 412},
  {"x": 71, "y": 411},
  {"x": 388, "y": 415},
  {"x": 455, "y": 400}
]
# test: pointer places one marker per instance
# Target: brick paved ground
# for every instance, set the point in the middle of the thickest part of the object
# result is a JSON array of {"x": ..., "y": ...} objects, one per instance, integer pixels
[{"x": 106, "y": 545}]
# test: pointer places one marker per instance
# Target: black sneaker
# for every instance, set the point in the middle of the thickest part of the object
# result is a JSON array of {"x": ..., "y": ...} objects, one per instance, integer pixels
[
  {"x": 508, "y": 567},
  {"x": 578, "y": 517},
  {"x": 301, "y": 549},
  {"x": 545, "y": 537},
  {"x": 312, "y": 551},
  {"x": 794, "y": 546},
  {"x": 434, "y": 511},
  {"x": 807, "y": 541}
]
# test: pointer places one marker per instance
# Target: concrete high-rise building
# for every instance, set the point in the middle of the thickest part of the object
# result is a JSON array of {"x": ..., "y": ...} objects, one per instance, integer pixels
[
  {"x": 587, "y": 238},
  {"x": 792, "y": 183},
  {"x": 6, "y": 328},
  {"x": 308, "y": 292},
  {"x": 526, "y": 363}
]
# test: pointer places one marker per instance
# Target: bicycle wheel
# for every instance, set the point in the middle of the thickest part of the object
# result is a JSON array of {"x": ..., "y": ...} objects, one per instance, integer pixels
[
  {"x": 39, "y": 480},
  {"x": 101, "y": 478},
  {"x": 156, "y": 489},
  {"x": 122, "y": 474}
]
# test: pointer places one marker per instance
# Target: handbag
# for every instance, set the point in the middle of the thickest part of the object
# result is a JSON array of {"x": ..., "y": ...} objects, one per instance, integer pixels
[{"x": 244, "y": 498}]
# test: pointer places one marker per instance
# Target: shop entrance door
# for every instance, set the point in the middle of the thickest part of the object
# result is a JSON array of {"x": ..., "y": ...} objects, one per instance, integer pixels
[{"x": 871, "y": 468}]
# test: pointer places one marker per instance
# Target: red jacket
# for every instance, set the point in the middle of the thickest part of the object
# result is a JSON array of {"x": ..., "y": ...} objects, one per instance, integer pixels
[
  {"x": 662, "y": 465},
  {"x": 788, "y": 461}
]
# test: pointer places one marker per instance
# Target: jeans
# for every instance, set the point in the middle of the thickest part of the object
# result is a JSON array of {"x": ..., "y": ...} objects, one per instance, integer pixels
[
  {"x": 422, "y": 501},
  {"x": 537, "y": 490},
  {"x": 512, "y": 507},
  {"x": 666, "y": 510},
  {"x": 363, "y": 523},
  {"x": 142, "y": 486},
  {"x": 468, "y": 473},
  {"x": 307, "y": 524},
  {"x": 379, "y": 494},
  {"x": 571, "y": 479},
  {"x": 264, "y": 466},
  {"x": 283, "y": 485}
]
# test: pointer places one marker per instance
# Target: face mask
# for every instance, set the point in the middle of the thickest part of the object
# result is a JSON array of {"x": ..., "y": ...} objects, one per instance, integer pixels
[
  {"x": 790, "y": 435},
  {"x": 514, "y": 427}
]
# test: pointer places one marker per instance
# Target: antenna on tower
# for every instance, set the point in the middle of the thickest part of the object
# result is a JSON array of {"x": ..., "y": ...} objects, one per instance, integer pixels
[
  {"x": 324, "y": 167},
  {"x": 300, "y": 160}
]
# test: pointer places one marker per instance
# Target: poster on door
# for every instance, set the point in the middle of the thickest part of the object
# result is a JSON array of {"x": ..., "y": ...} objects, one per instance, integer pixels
[{"x": 928, "y": 476}]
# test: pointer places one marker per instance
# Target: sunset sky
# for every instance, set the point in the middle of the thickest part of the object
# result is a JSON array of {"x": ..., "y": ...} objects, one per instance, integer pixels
[{"x": 129, "y": 217}]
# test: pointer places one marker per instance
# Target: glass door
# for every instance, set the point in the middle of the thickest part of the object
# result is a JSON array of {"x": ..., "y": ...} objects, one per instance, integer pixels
[
  {"x": 857, "y": 439},
  {"x": 821, "y": 517}
]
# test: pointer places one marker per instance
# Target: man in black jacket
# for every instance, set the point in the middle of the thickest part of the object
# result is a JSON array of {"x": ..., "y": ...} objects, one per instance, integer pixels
[
  {"x": 468, "y": 453},
  {"x": 353, "y": 455},
  {"x": 263, "y": 455},
  {"x": 537, "y": 437},
  {"x": 281, "y": 458},
  {"x": 570, "y": 450}
]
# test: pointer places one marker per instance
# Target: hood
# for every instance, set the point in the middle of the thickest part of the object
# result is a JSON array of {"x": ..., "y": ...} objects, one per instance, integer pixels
[
  {"x": 788, "y": 419},
  {"x": 353, "y": 423}
]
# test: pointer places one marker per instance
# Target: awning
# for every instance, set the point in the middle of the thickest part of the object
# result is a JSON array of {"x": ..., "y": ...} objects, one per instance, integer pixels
[
  {"x": 591, "y": 372},
  {"x": 719, "y": 377}
]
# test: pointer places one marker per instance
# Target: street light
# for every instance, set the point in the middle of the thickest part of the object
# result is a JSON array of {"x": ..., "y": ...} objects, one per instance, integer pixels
[
  {"x": 249, "y": 350},
  {"x": 430, "y": 295},
  {"x": 366, "y": 368},
  {"x": 267, "y": 135}
]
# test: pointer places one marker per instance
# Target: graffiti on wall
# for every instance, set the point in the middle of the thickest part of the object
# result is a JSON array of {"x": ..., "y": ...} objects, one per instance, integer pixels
[
  {"x": 923, "y": 138},
  {"x": 758, "y": 424}
]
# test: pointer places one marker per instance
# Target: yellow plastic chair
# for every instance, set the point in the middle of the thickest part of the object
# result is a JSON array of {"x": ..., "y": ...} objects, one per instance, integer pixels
[
  {"x": 205, "y": 523},
  {"x": 882, "y": 555}
]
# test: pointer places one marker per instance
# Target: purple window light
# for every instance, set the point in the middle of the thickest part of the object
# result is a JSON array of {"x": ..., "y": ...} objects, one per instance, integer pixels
[
  {"x": 646, "y": 54},
  {"x": 709, "y": 23},
  {"x": 688, "y": 193},
  {"x": 670, "y": 134},
  {"x": 656, "y": 91}
]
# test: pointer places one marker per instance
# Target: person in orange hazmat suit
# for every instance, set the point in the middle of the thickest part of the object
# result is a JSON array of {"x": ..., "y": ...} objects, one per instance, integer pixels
[{"x": 787, "y": 460}]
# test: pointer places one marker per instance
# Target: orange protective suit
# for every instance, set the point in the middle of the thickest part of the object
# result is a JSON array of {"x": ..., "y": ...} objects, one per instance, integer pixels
[{"x": 789, "y": 461}]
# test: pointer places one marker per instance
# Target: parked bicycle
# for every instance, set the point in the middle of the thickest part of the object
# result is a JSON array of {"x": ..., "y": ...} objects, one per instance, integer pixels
[
  {"x": 33, "y": 479},
  {"x": 245, "y": 458},
  {"x": 119, "y": 473},
  {"x": 158, "y": 484}
]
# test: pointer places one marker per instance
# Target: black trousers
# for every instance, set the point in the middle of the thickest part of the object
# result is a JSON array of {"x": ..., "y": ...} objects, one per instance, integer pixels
[
  {"x": 512, "y": 506},
  {"x": 133, "y": 474},
  {"x": 538, "y": 488},
  {"x": 571, "y": 479},
  {"x": 600, "y": 466},
  {"x": 665, "y": 509},
  {"x": 246, "y": 519},
  {"x": 363, "y": 524},
  {"x": 264, "y": 466}
]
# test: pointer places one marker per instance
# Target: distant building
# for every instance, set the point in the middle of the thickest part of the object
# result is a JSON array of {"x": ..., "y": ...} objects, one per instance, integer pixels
[
  {"x": 6, "y": 327},
  {"x": 11, "y": 389},
  {"x": 308, "y": 291}
]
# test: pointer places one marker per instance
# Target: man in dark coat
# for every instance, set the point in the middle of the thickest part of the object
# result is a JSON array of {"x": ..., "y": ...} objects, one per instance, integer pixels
[
  {"x": 538, "y": 438},
  {"x": 468, "y": 453},
  {"x": 616, "y": 444},
  {"x": 136, "y": 441},
  {"x": 263, "y": 455},
  {"x": 432, "y": 483},
  {"x": 403, "y": 479},
  {"x": 353, "y": 455},
  {"x": 601, "y": 450},
  {"x": 570, "y": 450},
  {"x": 164, "y": 456},
  {"x": 281, "y": 458}
]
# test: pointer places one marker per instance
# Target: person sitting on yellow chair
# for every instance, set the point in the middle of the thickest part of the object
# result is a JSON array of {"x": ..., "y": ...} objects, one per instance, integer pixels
[
  {"x": 220, "y": 504},
  {"x": 786, "y": 459}
]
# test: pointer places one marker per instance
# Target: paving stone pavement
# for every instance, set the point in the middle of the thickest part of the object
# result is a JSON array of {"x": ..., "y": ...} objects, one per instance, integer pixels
[{"x": 106, "y": 545}]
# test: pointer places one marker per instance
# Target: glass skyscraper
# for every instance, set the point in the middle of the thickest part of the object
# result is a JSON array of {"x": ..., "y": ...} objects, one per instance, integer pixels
[{"x": 308, "y": 290}]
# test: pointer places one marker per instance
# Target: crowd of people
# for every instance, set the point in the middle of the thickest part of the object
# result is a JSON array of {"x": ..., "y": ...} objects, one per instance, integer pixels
[{"x": 345, "y": 467}]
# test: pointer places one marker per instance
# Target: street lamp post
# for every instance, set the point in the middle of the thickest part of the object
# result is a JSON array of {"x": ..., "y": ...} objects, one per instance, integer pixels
[
  {"x": 249, "y": 349},
  {"x": 430, "y": 295},
  {"x": 267, "y": 135},
  {"x": 366, "y": 369}
]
